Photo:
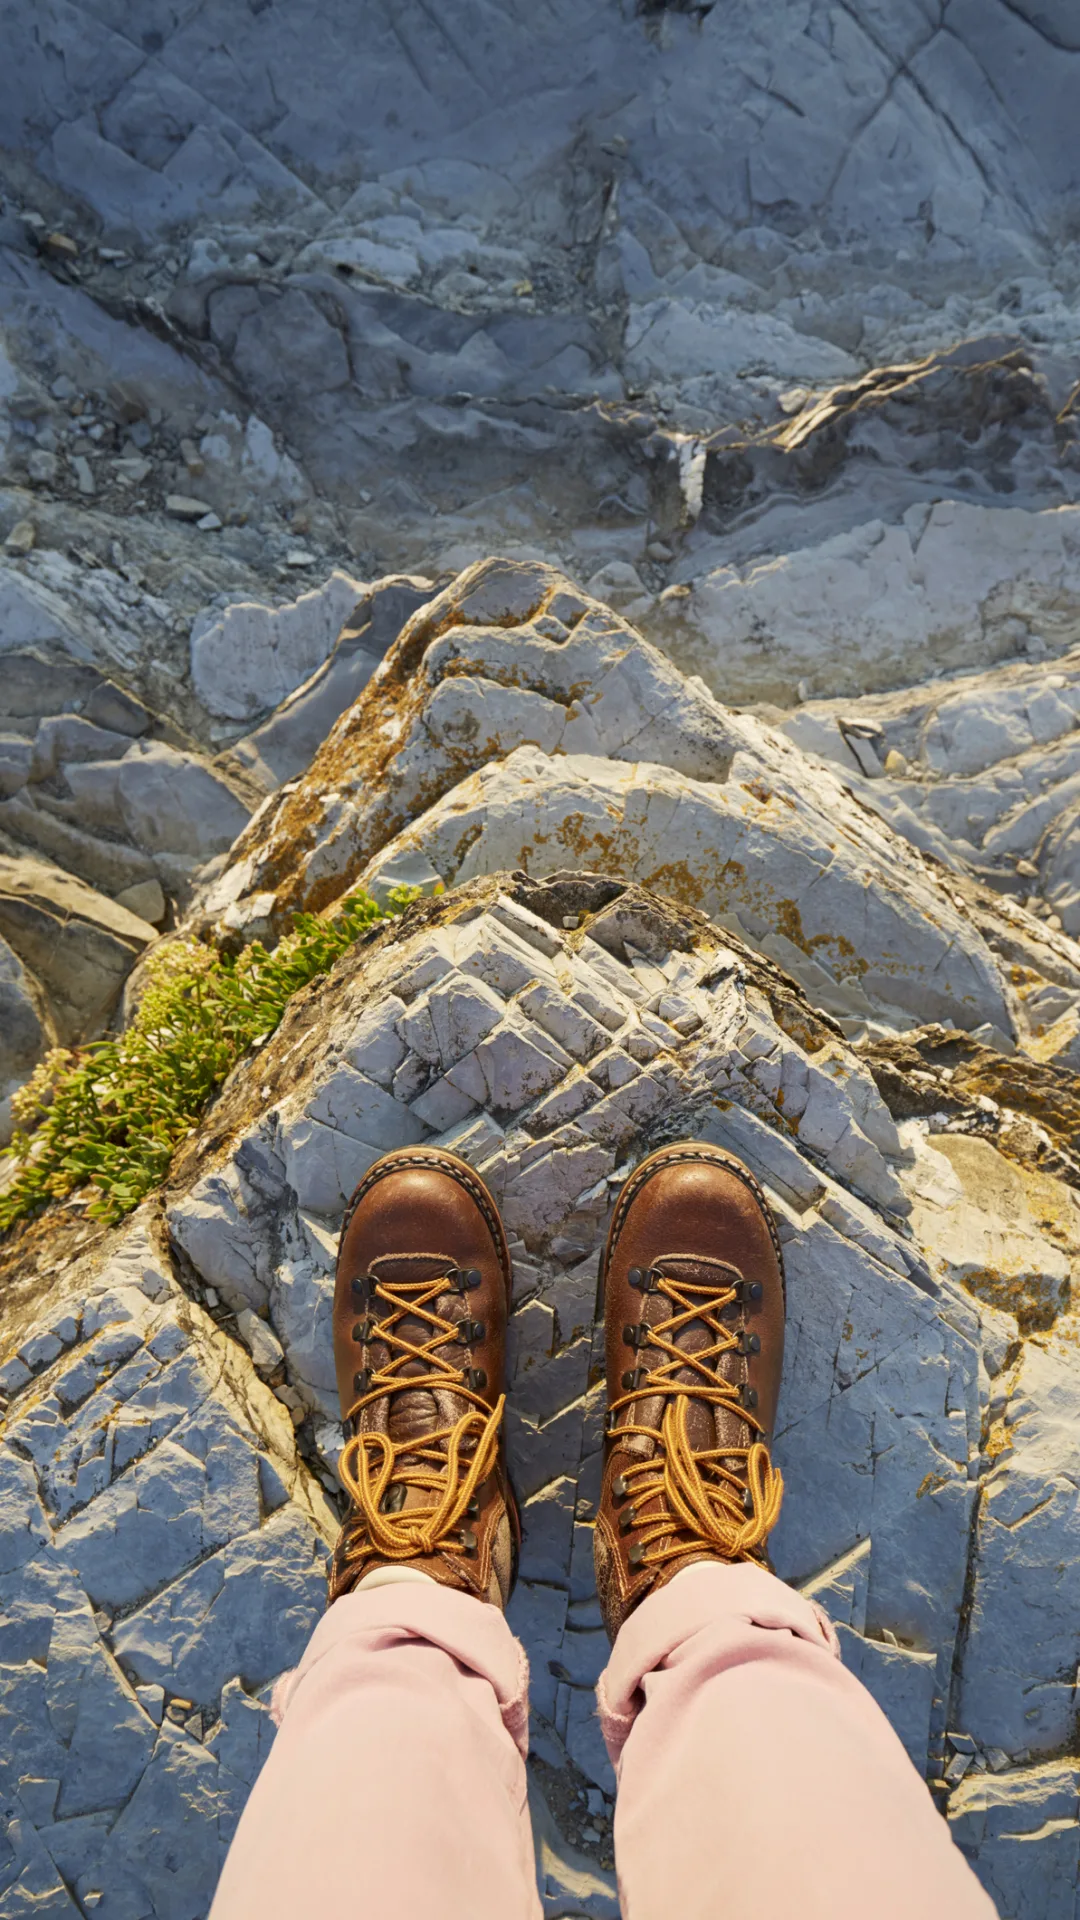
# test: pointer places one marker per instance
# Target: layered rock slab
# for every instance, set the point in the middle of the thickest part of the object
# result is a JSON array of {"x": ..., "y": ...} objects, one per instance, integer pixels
[
  {"x": 552, "y": 1032},
  {"x": 80, "y": 944},
  {"x": 948, "y": 585},
  {"x": 616, "y": 761},
  {"x": 868, "y": 943},
  {"x": 983, "y": 771},
  {"x": 162, "y": 1562}
]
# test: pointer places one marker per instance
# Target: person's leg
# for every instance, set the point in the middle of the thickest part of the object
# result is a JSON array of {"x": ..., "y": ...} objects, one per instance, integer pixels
[
  {"x": 396, "y": 1788},
  {"x": 396, "y": 1785},
  {"x": 756, "y": 1775}
]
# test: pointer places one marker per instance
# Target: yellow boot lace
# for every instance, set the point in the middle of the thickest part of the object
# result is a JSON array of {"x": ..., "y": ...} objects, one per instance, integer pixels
[
  {"x": 728, "y": 1498},
  {"x": 451, "y": 1463}
]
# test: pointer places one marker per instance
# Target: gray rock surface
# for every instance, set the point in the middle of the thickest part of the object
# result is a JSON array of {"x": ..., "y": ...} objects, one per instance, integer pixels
[
  {"x": 981, "y": 771},
  {"x": 917, "y": 1421},
  {"x": 251, "y": 657},
  {"x": 172, "y": 805},
  {"x": 26, "y": 1029},
  {"x": 629, "y": 766},
  {"x": 829, "y": 201},
  {"x": 552, "y": 1027},
  {"x": 163, "y": 1563},
  {"x": 283, "y": 746},
  {"x": 948, "y": 586},
  {"x": 80, "y": 945},
  {"x": 765, "y": 343}
]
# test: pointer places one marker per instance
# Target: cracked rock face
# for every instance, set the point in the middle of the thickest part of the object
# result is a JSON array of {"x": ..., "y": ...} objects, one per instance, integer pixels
[
  {"x": 919, "y": 1406},
  {"x": 661, "y": 918},
  {"x": 516, "y": 723},
  {"x": 758, "y": 360},
  {"x": 163, "y": 1562}
]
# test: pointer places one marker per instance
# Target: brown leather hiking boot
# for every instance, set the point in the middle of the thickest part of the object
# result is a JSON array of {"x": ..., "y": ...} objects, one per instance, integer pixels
[
  {"x": 693, "y": 1287},
  {"x": 420, "y": 1306}
]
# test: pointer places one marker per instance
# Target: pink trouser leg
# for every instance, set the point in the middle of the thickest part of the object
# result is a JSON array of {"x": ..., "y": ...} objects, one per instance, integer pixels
[
  {"x": 395, "y": 1789},
  {"x": 756, "y": 1776}
]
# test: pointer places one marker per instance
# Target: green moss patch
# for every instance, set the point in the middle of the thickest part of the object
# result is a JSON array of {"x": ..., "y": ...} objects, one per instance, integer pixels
[{"x": 111, "y": 1115}]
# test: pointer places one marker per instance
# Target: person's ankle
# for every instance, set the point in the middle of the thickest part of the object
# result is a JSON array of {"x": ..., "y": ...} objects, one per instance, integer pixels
[{"x": 388, "y": 1576}]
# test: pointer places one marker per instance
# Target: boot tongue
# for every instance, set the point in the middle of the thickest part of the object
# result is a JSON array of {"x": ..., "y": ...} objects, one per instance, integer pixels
[
  {"x": 415, "y": 1412},
  {"x": 707, "y": 1424}
]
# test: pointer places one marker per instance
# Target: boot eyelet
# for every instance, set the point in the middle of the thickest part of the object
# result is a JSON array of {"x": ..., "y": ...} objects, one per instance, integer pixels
[
  {"x": 472, "y": 1511},
  {"x": 632, "y": 1381},
  {"x": 362, "y": 1380},
  {"x": 363, "y": 1331},
  {"x": 468, "y": 1541},
  {"x": 636, "y": 1337},
  {"x": 636, "y": 1555},
  {"x": 749, "y": 1343},
  {"x": 627, "y": 1519},
  {"x": 361, "y": 1288},
  {"x": 476, "y": 1378},
  {"x": 641, "y": 1279},
  {"x": 749, "y": 1292},
  {"x": 748, "y": 1396},
  {"x": 748, "y": 1503},
  {"x": 618, "y": 1488},
  {"x": 473, "y": 1278}
]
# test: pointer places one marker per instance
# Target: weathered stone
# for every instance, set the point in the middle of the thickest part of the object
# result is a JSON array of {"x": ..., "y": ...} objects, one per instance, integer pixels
[
  {"x": 26, "y": 1029},
  {"x": 250, "y": 657},
  {"x": 710, "y": 805},
  {"x": 986, "y": 770},
  {"x": 957, "y": 580},
  {"x": 1021, "y": 1828},
  {"x": 154, "y": 1473},
  {"x": 145, "y": 899},
  {"x": 742, "y": 854},
  {"x": 594, "y": 347},
  {"x": 168, "y": 802},
  {"x": 984, "y": 1221},
  {"x": 80, "y": 945},
  {"x": 282, "y": 747}
]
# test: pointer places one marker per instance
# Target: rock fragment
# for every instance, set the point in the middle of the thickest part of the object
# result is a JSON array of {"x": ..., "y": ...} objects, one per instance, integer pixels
[
  {"x": 183, "y": 507},
  {"x": 22, "y": 537},
  {"x": 170, "y": 1546},
  {"x": 81, "y": 945}
]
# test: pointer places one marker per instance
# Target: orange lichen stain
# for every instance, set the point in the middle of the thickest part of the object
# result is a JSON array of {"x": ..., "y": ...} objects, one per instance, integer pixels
[
  {"x": 842, "y": 950},
  {"x": 760, "y": 791},
  {"x": 468, "y": 838},
  {"x": 789, "y": 923},
  {"x": 678, "y": 880},
  {"x": 581, "y": 837},
  {"x": 998, "y": 1440},
  {"x": 1035, "y": 1309},
  {"x": 933, "y": 1483}
]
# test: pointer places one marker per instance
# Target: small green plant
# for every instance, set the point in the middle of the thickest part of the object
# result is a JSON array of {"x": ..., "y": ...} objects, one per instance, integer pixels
[{"x": 111, "y": 1115}]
